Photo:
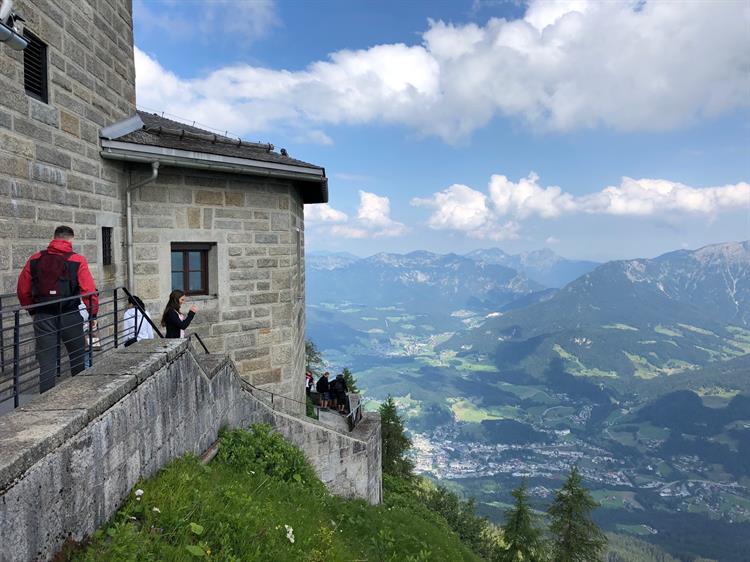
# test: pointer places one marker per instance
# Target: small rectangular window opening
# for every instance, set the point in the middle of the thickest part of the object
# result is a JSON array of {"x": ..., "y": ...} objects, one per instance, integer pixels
[
  {"x": 190, "y": 267},
  {"x": 35, "y": 67},
  {"x": 106, "y": 245}
]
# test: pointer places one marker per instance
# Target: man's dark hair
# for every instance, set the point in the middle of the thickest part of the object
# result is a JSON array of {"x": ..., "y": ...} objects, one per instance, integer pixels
[{"x": 64, "y": 232}]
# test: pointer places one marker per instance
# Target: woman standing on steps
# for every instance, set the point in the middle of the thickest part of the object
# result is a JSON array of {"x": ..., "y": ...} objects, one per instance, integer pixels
[{"x": 173, "y": 320}]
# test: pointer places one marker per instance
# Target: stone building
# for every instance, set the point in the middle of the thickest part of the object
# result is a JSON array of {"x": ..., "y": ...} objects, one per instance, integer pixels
[{"x": 218, "y": 217}]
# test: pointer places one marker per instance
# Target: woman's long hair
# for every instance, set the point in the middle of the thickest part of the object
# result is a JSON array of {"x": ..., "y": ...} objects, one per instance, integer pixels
[{"x": 172, "y": 304}]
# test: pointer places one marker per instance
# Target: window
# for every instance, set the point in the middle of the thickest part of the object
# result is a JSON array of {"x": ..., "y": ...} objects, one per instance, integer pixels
[
  {"x": 190, "y": 267},
  {"x": 35, "y": 67},
  {"x": 106, "y": 245}
]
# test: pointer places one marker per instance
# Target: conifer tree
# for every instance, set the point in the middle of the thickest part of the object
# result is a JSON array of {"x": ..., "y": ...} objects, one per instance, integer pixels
[
  {"x": 351, "y": 382},
  {"x": 575, "y": 536},
  {"x": 313, "y": 359},
  {"x": 395, "y": 442},
  {"x": 521, "y": 533}
]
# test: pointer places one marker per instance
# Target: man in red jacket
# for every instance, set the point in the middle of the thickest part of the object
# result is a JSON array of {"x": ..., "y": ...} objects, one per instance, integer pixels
[{"x": 50, "y": 275}]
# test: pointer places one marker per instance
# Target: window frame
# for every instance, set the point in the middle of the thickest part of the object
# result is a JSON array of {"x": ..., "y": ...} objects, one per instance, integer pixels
[
  {"x": 184, "y": 248},
  {"x": 35, "y": 42}
]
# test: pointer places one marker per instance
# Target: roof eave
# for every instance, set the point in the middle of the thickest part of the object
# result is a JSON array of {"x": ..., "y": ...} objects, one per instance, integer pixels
[{"x": 133, "y": 152}]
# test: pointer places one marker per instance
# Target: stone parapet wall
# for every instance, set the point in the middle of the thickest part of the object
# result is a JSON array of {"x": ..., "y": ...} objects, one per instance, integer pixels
[
  {"x": 50, "y": 169},
  {"x": 71, "y": 456}
]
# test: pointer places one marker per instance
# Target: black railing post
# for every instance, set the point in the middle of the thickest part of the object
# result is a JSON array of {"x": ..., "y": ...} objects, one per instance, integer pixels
[
  {"x": 58, "y": 355},
  {"x": 92, "y": 323},
  {"x": 115, "y": 309},
  {"x": 2, "y": 339},
  {"x": 16, "y": 353}
]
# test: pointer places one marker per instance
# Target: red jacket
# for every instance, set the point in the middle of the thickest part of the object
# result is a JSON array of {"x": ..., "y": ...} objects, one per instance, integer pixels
[{"x": 85, "y": 280}]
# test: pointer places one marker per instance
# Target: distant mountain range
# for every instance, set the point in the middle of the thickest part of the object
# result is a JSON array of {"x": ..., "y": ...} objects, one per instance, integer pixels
[
  {"x": 488, "y": 279},
  {"x": 543, "y": 266},
  {"x": 644, "y": 317},
  {"x": 423, "y": 281}
]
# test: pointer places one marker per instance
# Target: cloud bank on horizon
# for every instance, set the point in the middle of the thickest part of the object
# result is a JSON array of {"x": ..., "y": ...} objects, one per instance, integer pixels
[
  {"x": 633, "y": 66},
  {"x": 497, "y": 214}
]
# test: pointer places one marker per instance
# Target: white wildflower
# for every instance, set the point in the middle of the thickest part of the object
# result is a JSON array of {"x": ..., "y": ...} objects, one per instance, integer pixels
[
  {"x": 156, "y": 510},
  {"x": 138, "y": 494},
  {"x": 289, "y": 533}
]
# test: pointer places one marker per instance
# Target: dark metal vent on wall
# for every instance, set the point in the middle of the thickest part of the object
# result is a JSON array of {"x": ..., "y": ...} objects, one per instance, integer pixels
[
  {"x": 35, "y": 67},
  {"x": 106, "y": 245}
]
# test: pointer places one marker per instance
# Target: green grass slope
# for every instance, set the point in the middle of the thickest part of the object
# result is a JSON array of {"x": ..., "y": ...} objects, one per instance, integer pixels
[{"x": 259, "y": 500}]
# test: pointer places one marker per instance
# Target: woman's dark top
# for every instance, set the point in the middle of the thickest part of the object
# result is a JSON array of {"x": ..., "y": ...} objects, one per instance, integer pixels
[
  {"x": 175, "y": 325},
  {"x": 322, "y": 385}
]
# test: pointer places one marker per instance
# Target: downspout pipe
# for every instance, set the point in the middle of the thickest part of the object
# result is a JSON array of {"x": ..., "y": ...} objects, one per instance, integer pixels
[{"x": 129, "y": 211}]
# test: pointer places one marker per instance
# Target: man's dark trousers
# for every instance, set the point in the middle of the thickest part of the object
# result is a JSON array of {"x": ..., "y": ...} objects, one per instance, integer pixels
[{"x": 69, "y": 325}]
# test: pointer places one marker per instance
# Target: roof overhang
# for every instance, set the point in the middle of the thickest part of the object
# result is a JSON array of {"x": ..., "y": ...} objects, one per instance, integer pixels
[{"x": 312, "y": 182}]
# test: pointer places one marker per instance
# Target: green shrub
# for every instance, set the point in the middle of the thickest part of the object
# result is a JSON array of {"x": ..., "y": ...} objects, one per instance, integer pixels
[{"x": 260, "y": 450}]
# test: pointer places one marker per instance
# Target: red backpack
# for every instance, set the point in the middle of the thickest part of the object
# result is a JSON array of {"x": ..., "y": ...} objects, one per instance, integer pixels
[{"x": 50, "y": 277}]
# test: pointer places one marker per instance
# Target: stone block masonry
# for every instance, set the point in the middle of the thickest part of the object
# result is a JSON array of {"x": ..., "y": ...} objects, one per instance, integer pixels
[
  {"x": 52, "y": 172},
  {"x": 71, "y": 456},
  {"x": 50, "y": 168},
  {"x": 254, "y": 311}
]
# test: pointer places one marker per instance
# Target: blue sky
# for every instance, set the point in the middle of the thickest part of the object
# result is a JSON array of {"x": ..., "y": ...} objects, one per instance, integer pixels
[{"x": 450, "y": 126}]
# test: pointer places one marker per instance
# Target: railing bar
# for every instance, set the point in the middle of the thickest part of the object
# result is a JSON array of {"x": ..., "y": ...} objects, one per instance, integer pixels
[
  {"x": 16, "y": 346},
  {"x": 142, "y": 311},
  {"x": 114, "y": 301}
]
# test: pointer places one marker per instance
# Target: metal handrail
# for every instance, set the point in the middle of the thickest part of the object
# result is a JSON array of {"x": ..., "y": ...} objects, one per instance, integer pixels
[
  {"x": 354, "y": 416},
  {"x": 143, "y": 312},
  {"x": 200, "y": 341},
  {"x": 19, "y": 370},
  {"x": 251, "y": 388},
  {"x": 23, "y": 376}
]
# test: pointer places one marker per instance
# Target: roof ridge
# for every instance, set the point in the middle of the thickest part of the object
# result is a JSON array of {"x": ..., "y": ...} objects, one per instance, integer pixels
[{"x": 191, "y": 131}]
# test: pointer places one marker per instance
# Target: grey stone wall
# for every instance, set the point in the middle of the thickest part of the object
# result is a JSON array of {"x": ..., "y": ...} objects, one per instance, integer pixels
[
  {"x": 71, "y": 456},
  {"x": 51, "y": 173},
  {"x": 50, "y": 169},
  {"x": 255, "y": 310}
]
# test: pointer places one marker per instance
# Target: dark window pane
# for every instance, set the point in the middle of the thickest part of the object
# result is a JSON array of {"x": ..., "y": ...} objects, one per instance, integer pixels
[
  {"x": 177, "y": 281},
  {"x": 195, "y": 281},
  {"x": 195, "y": 260},
  {"x": 176, "y": 261}
]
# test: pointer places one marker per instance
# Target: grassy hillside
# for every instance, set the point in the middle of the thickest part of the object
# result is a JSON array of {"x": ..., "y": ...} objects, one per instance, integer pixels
[{"x": 260, "y": 500}]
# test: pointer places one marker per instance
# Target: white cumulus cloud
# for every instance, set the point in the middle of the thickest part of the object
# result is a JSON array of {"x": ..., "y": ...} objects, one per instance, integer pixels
[
  {"x": 373, "y": 219},
  {"x": 654, "y": 196},
  {"x": 498, "y": 213},
  {"x": 526, "y": 198},
  {"x": 461, "y": 208},
  {"x": 323, "y": 213},
  {"x": 646, "y": 65}
]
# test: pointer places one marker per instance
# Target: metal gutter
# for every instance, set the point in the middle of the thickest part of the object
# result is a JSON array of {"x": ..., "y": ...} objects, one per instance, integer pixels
[{"x": 133, "y": 152}]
